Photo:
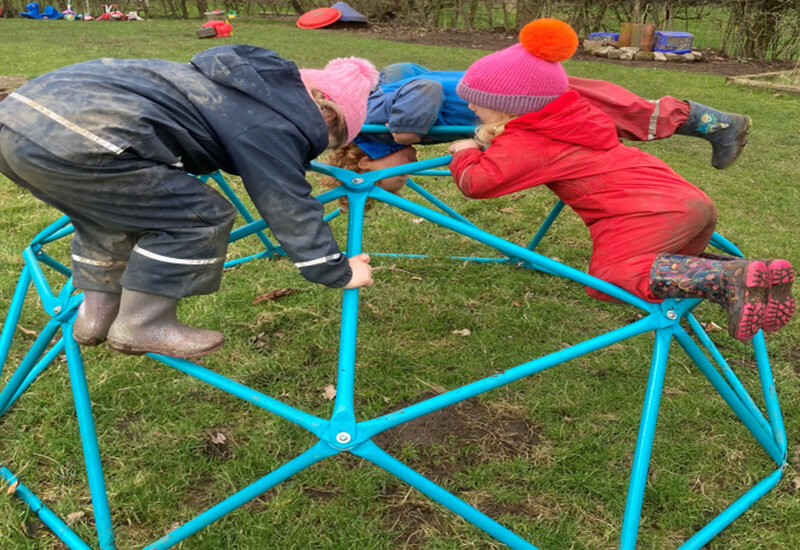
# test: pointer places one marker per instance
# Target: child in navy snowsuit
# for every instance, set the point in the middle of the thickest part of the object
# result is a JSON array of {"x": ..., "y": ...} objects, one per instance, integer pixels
[{"x": 112, "y": 143}]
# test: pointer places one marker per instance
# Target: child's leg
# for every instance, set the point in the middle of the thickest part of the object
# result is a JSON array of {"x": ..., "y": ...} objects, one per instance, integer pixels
[
  {"x": 641, "y": 119},
  {"x": 780, "y": 301},
  {"x": 636, "y": 118},
  {"x": 97, "y": 265},
  {"x": 655, "y": 257},
  {"x": 625, "y": 246},
  {"x": 400, "y": 71},
  {"x": 181, "y": 227},
  {"x": 727, "y": 132},
  {"x": 99, "y": 258},
  {"x": 739, "y": 286}
]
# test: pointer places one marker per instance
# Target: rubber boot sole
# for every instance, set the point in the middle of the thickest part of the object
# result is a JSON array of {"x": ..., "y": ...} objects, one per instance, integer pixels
[
  {"x": 130, "y": 349},
  {"x": 88, "y": 342},
  {"x": 748, "y": 282},
  {"x": 780, "y": 302}
]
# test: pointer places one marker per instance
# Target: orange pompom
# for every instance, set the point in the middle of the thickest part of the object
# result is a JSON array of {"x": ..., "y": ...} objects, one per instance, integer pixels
[{"x": 549, "y": 39}]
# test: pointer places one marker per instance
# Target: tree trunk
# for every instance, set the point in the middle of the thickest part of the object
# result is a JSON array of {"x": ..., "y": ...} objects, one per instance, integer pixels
[
  {"x": 7, "y": 7},
  {"x": 528, "y": 10},
  {"x": 298, "y": 7}
]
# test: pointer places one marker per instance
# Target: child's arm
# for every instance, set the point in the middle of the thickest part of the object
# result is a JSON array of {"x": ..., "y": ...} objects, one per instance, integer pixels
[
  {"x": 508, "y": 165},
  {"x": 414, "y": 108},
  {"x": 272, "y": 169}
]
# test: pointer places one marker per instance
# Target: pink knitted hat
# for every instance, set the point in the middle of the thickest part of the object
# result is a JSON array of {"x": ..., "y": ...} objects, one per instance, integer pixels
[
  {"x": 526, "y": 76},
  {"x": 347, "y": 81}
]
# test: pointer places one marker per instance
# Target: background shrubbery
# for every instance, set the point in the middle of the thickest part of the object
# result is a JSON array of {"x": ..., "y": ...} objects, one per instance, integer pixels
[{"x": 761, "y": 29}]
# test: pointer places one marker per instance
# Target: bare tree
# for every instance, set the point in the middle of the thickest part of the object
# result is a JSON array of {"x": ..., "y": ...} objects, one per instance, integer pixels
[
  {"x": 763, "y": 28},
  {"x": 528, "y": 10},
  {"x": 8, "y": 8}
]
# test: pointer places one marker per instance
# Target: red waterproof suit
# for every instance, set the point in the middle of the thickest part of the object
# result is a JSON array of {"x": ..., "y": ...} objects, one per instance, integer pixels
[{"x": 634, "y": 205}]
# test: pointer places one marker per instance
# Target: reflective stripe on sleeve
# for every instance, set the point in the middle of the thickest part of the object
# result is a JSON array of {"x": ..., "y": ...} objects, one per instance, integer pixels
[
  {"x": 179, "y": 261},
  {"x": 318, "y": 261},
  {"x": 66, "y": 123},
  {"x": 651, "y": 129}
]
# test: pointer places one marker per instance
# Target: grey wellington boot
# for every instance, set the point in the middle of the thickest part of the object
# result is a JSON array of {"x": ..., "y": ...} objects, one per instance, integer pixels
[
  {"x": 147, "y": 323},
  {"x": 727, "y": 132},
  {"x": 95, "y": 315}
]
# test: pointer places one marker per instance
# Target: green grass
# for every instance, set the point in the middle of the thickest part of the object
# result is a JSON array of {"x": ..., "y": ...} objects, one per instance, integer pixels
[{"x": 547, "y": 456}]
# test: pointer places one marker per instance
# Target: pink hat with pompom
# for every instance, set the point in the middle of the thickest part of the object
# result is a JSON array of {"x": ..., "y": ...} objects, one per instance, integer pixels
[
  {"x": 347, "y": 81},
  {"x": 526, "y": 76}
]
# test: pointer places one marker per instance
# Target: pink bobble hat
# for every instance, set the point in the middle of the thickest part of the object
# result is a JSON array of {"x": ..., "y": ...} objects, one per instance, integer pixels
[
  {"x": 526, "y": 76},
  {"x": 347, "y": 81}
]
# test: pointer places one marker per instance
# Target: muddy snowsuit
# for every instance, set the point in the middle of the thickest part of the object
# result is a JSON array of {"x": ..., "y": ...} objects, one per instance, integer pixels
[
  {"x": 113, "y": 143},
  {"x": 635, "y": 206}
]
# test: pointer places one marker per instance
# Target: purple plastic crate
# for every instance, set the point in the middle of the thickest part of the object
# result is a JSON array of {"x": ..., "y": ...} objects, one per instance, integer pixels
[{"x": 673, "y": 42}]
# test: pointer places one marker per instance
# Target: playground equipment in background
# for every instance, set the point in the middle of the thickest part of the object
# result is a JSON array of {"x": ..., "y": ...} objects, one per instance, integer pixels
[
  {"x": 322, "y": 17},
  {"x": 215, "y": 29},
  {"x": 349, "y": 15},
  {"x": 34, "y": 13},
  {"x": 111, "y": 13},
  {"x": 343, "y": 433}
]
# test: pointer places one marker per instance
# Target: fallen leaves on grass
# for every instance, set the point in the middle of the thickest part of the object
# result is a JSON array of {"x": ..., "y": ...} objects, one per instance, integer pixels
[
  {"x": 329, "y": 392},
  {"x": 74, "y": 516},
  {"x": 12, "y": 488}
]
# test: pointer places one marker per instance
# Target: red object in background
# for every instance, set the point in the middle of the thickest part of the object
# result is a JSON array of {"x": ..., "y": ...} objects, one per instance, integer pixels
[
  {"x": 223, "y": 28},
  {"x": 319, "y": 17}
]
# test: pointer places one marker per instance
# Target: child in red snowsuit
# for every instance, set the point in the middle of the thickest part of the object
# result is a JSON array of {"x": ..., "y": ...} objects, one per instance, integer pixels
[{"x": 648, "y": 225}]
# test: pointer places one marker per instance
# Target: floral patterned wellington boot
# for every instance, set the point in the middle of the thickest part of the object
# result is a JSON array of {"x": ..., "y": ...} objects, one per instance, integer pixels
[
  {"x": 781, "y": 304},
  {"x": 740, "y": 286}
]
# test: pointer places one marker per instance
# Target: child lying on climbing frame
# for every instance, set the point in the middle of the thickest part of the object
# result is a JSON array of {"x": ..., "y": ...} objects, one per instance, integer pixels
[
  {"x": 649, "y": 226},
  {"x": 411, "y": 99}
]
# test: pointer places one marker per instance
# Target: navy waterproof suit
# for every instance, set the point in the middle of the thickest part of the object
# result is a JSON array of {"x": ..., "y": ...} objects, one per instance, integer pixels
[{"x": 112, "y": 143}]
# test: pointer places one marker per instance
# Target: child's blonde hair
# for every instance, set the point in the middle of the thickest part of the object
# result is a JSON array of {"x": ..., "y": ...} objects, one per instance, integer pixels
[
  {"x": 337, "y": 126},
  {"x": 485, "y": 133},
  {"x": 346, "y": 157}
]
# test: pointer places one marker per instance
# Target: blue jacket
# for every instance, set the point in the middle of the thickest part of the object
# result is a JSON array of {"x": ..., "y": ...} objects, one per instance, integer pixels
[
  {"x": 237, "y": 108},
  {"x": 414, "y": 104}
]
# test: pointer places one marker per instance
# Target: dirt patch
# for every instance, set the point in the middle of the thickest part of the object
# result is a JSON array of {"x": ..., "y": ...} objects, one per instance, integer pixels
[
  {"x": 459, "y": 437},
  {"x": 716, "y": 62},
  {"x": 444, "y": 443},
  {"x": 218, "y": 444}
]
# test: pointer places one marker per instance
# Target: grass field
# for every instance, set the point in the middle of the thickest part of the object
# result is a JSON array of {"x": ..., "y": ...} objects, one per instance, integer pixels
[{"x": 547, "y": 456}]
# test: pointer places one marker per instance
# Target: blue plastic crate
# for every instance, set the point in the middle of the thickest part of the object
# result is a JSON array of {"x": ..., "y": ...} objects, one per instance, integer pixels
[
  {"x": 604, "y": 36},
  {"x": 673, "y": 42}
]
